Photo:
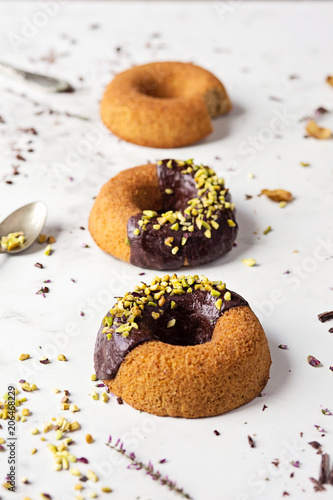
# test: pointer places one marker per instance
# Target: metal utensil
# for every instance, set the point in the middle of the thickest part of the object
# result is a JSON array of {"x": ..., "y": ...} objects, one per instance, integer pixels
[
  {"x": 30, "y": 219},
  {"x": 45, "y": 82}
]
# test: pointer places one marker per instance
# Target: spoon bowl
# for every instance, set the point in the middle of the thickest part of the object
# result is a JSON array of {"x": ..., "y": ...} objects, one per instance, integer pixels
[{"x": 30, "y": 219}]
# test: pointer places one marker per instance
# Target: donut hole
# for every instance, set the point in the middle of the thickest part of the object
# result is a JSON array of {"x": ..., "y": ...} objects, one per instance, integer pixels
[
  {"x": 163, "y": 90},
  {"x": 194, "y": 322}
]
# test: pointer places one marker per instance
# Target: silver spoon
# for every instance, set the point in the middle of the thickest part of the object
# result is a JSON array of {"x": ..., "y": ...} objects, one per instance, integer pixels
[
  {"x": 45, "y": 82},
  {"x": 30, "y": 219}
]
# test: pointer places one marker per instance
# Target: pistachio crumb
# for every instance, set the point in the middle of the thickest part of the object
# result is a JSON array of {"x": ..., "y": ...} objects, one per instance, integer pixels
[
  {"x": 218, "y": 304},
  {"x": 267, "y": 230},
  {"x": 171, "y": 323},
  {"x": 23, "y": 357},
  {"x": 168, "y": 191},
  {"x": 35, "y": 431},
  {"x": 73, "y": 408},
  {"x": 48, "y": 250},
  {"x": 231, "y": 223},
  {"x": 74, "y": 472},
  {"x": 227, "y": 296},
  {"x": 92, "y": 476},
  {"x": 106, "y": 489},
  {"x": 174, "y": 250},
  {"x": 89, "y": 438},
  {"x": 93, "y": 377},
  {"x": 282, "y": 204},
  {"x": 249, "y": 262},
  {"x": 105, "y": 397},
  {"x": 61, "y": 357}
]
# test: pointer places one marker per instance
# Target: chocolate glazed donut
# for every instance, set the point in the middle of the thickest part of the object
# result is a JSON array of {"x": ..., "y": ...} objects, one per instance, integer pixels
[
  {"x": 182, "y": 346},
  {"x": 164, "y": 216}
]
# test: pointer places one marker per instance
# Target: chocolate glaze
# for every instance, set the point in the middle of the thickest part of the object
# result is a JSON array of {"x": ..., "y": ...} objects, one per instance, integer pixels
[
  {"x": 148, "y": 249},
  {"x": 196, "y": 317}
]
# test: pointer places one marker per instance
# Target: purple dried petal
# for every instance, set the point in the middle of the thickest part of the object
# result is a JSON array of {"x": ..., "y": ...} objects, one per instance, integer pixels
[
  {"x": 331, "y": 368},
  {"x": 84, "y": 245},
  {"x": 99, "y": 385},
  {"x": 313, "y": 361},
  {"x": 321, "y": 111},
  {"x": 262, "y": 394},
  {"x": 217, "y": 433},
  {"x": 162, "y": 461},
  {"x": 110, "y": 439},
  {"x": 283, "y": 346},
  {"x": 295, "y": 463},
  {"x": 2, "y": 448},
  {"x": 82, "y": 460},
  {"x": 251, "y": 442},
  {"x": 83, "y": 479},
  {"x": 47, "y": 281},
  {"x": 320, "y": 429},
  {"x": 73, "y": 280},
  {"x": 141, "y": 274},
  {"x": 315, "y": 445},
  {"x": 46, "y": 495},
  {"x": 44, "y": 361},
  {"x": 326, "y": 411},
  {"x": 22, "y": 381},
  {"x": 81, "y": 313}
]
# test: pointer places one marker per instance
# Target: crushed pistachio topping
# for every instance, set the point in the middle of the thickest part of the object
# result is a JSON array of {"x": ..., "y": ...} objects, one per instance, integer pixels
[
  {"x": 23, "y": 357},
  {"x": 12, "y": 241},
  {"x": 249, "y": 262},
  {"x": 125, "y": 314},
  {"x": 201, "y": 212}
]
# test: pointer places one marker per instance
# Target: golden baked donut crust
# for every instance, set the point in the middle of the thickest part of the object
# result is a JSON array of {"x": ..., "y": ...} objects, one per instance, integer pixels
[
  {"x": 163, "y": 104},
  {"x": 199, "y": 380},
  {"x": 124, "y": 195}
]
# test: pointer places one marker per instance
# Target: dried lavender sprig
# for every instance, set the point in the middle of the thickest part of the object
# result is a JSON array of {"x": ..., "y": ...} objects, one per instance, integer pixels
[{"x": 149, "y": 468}]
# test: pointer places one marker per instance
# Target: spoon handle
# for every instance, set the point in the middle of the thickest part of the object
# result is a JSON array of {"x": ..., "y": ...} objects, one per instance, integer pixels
[{"x": 46, "y": 82}]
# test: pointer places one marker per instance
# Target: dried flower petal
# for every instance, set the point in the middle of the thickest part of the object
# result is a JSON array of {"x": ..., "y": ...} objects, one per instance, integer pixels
[
  {"x": 277, "y": 194},
  {"x": 320, "y": 429},
  {"x": 315, "y": 445},
  {"x": 313, "y": 361},
  {"x": 295, "y": 463},
  {"x": 44, "y": 361},
  {"x": 325, "y": 316},
  {"x": 283, "y": 346},
  {"x": 326, "y": 411},
  {"x": 317, "y": 132},
  {"x": 251, "y": 442}
]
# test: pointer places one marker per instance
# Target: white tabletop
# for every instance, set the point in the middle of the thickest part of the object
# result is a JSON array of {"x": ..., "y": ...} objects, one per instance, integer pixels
[{"x": 273, "y": 59}]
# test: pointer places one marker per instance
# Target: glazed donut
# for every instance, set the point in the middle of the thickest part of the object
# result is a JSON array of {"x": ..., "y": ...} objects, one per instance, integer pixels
[
  {"x": 163, "y": 104},
  {"x": 183, "y": 347},
  {"x": 164, "y": 216}
]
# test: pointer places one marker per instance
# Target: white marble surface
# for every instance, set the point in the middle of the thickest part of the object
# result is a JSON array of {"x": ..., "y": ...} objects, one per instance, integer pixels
[{"x": 254, "y": 48}]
